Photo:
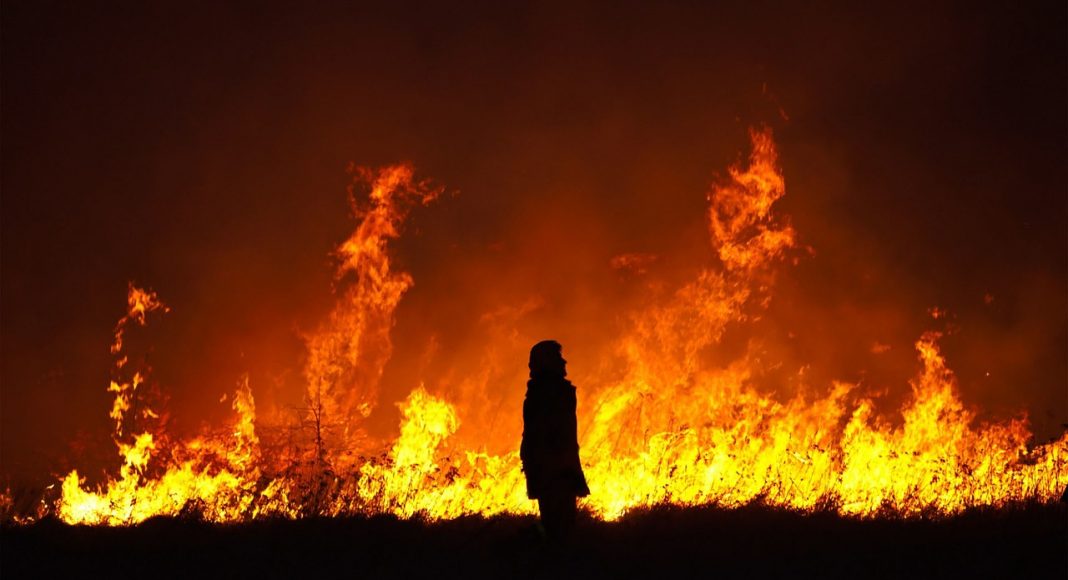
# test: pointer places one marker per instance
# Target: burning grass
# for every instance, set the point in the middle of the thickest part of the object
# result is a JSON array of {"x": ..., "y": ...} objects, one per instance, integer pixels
[{"x": 660, "y": 424}]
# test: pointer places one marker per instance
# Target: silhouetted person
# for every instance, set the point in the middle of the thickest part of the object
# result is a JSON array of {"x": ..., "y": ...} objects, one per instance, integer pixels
[{"x": 550, "y": 450}]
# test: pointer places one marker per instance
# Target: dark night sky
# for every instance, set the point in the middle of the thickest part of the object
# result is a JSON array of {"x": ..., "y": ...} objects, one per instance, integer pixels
[{"x": 201, "y": 150}]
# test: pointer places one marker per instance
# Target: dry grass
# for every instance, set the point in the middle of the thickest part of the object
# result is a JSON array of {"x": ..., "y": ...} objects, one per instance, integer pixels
[{"x": 1023, "y": 540}]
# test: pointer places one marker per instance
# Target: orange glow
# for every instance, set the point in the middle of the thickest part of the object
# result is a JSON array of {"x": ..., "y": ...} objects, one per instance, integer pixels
[{"x": 658, "y": 424}]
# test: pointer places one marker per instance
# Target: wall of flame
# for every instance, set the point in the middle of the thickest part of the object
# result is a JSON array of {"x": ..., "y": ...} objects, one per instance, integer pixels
[{"x": 669, "y": 412}]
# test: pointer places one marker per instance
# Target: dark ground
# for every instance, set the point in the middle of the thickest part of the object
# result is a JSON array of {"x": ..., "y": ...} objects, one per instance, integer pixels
[{"x": 751, "y": 542}]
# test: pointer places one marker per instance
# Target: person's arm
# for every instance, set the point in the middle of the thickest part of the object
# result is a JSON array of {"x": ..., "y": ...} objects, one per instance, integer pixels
[
  {"x": 572, "y": 427},
  {"x": 581, "y": 488},
  {"x": 524, "y": 445}
]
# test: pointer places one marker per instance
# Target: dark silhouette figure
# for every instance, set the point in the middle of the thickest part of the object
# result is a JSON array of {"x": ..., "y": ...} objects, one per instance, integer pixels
[{"x": 550, "y": 451}]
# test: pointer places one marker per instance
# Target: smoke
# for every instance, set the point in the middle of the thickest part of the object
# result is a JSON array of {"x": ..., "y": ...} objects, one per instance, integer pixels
[{"x": 203, "y": 153}]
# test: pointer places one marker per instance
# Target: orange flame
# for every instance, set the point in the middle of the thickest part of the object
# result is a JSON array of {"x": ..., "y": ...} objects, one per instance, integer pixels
[
  {"x": 664, "y": 426},
  {"x": 348, "y": 353}
]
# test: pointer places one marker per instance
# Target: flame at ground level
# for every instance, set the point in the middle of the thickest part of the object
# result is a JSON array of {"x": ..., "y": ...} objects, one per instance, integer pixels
[
  {"x": 800, "y": 454},
  {"x": 667, "y": 428}
]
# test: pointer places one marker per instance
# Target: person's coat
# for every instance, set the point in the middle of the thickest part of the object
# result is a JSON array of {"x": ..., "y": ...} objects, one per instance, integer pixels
[{"x": 550, "y": 450}]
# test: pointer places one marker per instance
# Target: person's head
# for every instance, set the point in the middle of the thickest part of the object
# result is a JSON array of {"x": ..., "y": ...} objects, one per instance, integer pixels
[{"x": 546, "y": 360}]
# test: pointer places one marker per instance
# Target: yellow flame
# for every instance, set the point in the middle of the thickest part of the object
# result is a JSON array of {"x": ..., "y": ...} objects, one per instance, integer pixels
[
  {"x": 348, "y": 353},
  {"x": 667, "y": 428}
]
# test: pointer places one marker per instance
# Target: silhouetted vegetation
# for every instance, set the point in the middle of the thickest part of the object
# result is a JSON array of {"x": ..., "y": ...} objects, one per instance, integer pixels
[{"x": 1022, "y": 541}]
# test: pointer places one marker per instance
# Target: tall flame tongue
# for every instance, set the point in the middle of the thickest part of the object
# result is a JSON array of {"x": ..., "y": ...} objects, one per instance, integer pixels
[
  {"x": 160, "y": 476},
  {"x": 348, "y": 353},
  {"x": 668, "y": 428}
]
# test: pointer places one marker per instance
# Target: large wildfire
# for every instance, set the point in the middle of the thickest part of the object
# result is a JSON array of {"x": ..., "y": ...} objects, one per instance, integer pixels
[{"x": 659, "y": 422}]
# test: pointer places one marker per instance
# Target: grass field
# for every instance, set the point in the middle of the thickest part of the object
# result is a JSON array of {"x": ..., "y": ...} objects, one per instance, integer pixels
[{"x": 1029, "y": 541}]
